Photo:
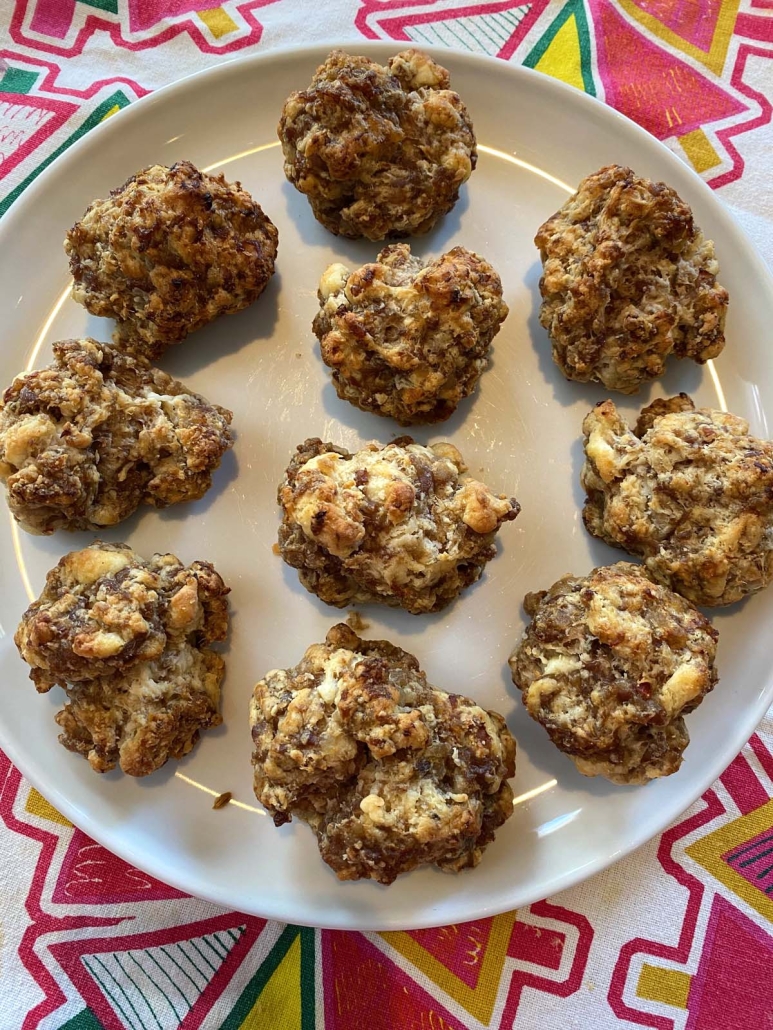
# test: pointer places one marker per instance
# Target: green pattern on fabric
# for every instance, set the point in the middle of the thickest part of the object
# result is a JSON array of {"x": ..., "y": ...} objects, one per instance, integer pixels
[
  {"x": 102, "y": 5},
  {"x": 85, "y": 1020},
  {"x": 118, "y": 99},
  {"x": 574, "y": 8},
  {"x": 308, "y": 989},
  {"x": 268, "y": 967},
  {"x": 17, "y": 80}
]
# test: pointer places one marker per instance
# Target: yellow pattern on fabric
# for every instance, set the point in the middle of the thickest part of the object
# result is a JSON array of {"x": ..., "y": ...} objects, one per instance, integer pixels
[
  {"x": 563, "y": 59},
  {"x": 699, "y": 150},
  {"x": 218, "y": 21},
  {"x": 714, "y": 60},
  {"x": 479, "y": 1001},
  {"x": 670, "y": 986},
  {"x": 109, "y": 114},
  {"x": 279, "y": 1003},
  {"x": 37, "y": 805},
  {"x": 708, "y": 852}
]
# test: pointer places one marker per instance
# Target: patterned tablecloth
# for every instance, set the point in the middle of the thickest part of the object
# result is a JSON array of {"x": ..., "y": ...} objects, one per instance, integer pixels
[{"x": 679, "y": 935}]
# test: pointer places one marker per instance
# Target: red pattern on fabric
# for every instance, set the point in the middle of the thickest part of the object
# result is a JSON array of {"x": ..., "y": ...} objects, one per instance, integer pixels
[
  {"x": 354, "y": 974},
  {"x": 69, "y": 955},
  {"x": 92, "y": 875},
  {"x": 763, "y": 755},
  {"x": 741, "y": 783},
  {"x": 562, "y": 989},
  {"x": 396, "y": 26},
  {"x": 50, "y": 114},
  {"x": 95, "y": 23},
  {"x": 531, "y": 943},
  {"x": 43, "y": 923},
  {"x": 731, "y": 989},
  {"x": 681, "y": 951},
  {"x": 766, "y": 111},
  {"x": 679, "y": 99},
  {"x": 453, "y": 945}
]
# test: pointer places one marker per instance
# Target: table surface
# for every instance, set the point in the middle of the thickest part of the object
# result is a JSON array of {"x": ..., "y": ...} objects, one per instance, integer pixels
[{"x": 678, "y": 935}]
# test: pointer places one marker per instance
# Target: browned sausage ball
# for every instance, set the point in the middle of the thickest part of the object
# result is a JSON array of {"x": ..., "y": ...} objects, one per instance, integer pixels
[
  {"x": 689, "y": 492},
  {"x": 87, "y": 440},
  {"x": 610, "y": 664},
  {"x": 408, "y": 338},
  {"x": 168, "y": 252},
  {"x": 396, "y": 525},
  {"x": 628, "y": 279},
  {"x": 378, "y": 151},
  {"x": 390, "y": 772},
  {"x": 128, "y": 640}
]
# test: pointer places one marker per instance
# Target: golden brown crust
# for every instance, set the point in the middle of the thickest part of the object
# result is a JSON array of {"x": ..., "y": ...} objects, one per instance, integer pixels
[
  {"x": 656, "y": 409},
  {"x": 609, "y": 665},
  {"x": 397, "y": 525},
  {"x": 693, "y": 497},
  {"x": 409, "y": 339},
  {"x": 390, "y": 772},
  {"x": 168, "y": 252},
  {"x": 379, "y": 151},
  {"x": 628, "y": 279},
  {"x": 128, "y": 640},
  {"x": 97, "y": 433}
]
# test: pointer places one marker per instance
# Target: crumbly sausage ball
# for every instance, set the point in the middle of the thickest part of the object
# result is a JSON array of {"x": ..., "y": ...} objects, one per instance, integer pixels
[
  {"x": 689, "y": 492},
  {"x": 128, "y": 640},
  {"x": 168, "y": 252},
  {"x": 378, "y": 151},
  {"x": 628, "y": 279},
  {"x": 610, "y": 665},
  {"x": 409, "y": 339},
  {"x": 91, "y": 437},
  {"x": 390, "y": 772},
  {"x": 395, "y": 525}
]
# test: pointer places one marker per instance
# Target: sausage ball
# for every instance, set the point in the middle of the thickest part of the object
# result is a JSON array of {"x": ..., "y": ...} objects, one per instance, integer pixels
[
  {"x": 628, "y": 279},
  {"x": 610, "y": 664},
  {"x": 390, "y": 772},
  {"x": 168, "y": 252},
  {"x": 407, "y": 338},
  {"x": 689, "y": 492},
  {"x": 128, "y": 641},
  {"x": 395, "y": 525},
  {"x": 378, "y": 151},
  {"x": 87, "y": 440}
]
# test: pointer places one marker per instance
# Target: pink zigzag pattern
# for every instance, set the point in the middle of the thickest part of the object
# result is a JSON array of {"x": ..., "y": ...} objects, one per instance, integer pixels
[
  {"x": 101, "y": 23},
  {"x": 69, "y": 953},
  {"x": 766, "y": 110},
  {"x": 53, "y": 111},
  {"x": 42, "y": 923},
  {"x": 680, "y": 952},
  {"x": 48, "y": 82}
]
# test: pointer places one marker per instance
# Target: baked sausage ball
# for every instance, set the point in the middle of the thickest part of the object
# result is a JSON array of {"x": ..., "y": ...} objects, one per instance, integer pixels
[
  {"x": 408, "y": 338},
  {"x": 87, "y": 440},
  {"x": 128, "y": 640},
  {"x": 628, "y": 279},
  {"x": 397, "y": 525},
  {"x": 168, "y": 252},
  {"x": 390, "y": 772},
  {"x": 689, "y": 492},
  {"x": 378, "y": 151},
  {"x": 610, "y": 665}
]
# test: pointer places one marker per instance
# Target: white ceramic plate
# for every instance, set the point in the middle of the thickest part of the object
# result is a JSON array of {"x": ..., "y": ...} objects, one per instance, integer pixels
[{"x": 520, "y": 433}]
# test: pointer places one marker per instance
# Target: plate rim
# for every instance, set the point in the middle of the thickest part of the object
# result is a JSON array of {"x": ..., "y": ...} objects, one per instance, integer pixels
[{"x": 711, "y": 769}]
